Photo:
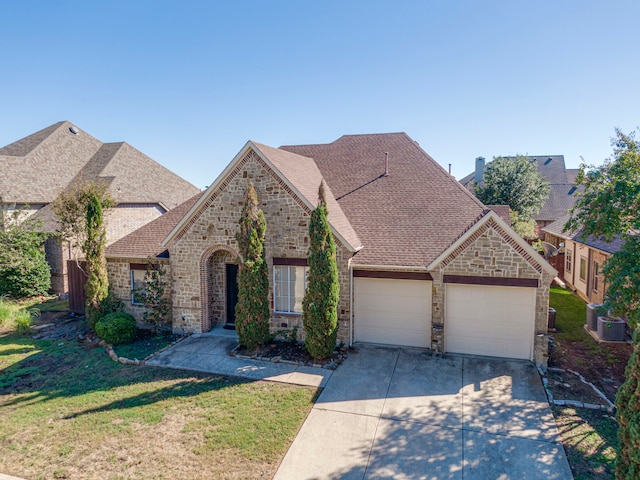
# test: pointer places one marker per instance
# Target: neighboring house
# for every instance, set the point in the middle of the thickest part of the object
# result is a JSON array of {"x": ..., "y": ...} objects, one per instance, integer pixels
[
  {"x": 583, "y": 259},
  {"x": 37, "y": 168},
  {"x": 421, "y": 261},
  {"x": 561, "y": 182}
]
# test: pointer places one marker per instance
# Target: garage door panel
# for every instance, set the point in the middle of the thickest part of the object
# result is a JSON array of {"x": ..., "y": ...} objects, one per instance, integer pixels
[
  {"x": 490, "y": 320},
  {"x": 391, "y": 311}
]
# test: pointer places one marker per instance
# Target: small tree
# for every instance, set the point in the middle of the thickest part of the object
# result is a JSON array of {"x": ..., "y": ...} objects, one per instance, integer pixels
[
  {"x": 515, "y": 182},
  {"x": 153, "y": 296},
  {"x": 608, "y": 208},
  {"x": 252, "y": 309},
  {"x": 320, "y": 303},
  {"x": 24, "y": 271},
  {"x": 80, "y": 211}
]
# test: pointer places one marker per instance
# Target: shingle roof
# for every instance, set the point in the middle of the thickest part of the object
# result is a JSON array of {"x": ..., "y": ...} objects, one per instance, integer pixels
[
  {"x": 404, "y": 219},
  {"x": 503, "y": 211},
  {"x": 556, "y": 228},
  {"x": 303, "y": 173},
  {"x": 37, "y": 168},
  {"x": 561, "y": 182},
  {"x": 145, "y": 242}
]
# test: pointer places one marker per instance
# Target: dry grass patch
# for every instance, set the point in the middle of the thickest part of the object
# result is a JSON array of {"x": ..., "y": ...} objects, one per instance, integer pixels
[{"x": 70, "y": 412}]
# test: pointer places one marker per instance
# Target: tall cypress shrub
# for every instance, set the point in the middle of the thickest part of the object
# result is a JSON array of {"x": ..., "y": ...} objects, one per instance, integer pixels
[
  {"x": 252, "y": 309},
  {"x": 97, "y": 286},
  {"x": 320, "y": 303},
  {"x": 628, "y": 417}
]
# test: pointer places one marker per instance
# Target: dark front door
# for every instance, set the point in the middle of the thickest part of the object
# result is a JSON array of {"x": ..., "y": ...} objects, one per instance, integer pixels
[{"x": 232, "y": 292}]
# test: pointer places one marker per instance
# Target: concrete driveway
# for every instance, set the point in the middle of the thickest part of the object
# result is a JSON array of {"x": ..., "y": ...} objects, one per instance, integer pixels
[{"x": 404, "y": 414}]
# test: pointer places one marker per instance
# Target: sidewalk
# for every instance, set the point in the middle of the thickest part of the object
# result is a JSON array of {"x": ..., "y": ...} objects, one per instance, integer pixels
[{"x": 209, "y": 352}]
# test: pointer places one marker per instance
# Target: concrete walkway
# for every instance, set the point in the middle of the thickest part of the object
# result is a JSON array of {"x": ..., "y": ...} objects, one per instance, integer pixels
[
  {"x": 209, "y": 352},
  {"x": 402, "y": 413}
]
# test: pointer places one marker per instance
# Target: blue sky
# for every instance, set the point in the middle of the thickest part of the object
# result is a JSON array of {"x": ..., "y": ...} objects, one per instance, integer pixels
[{"x": 188, "y": 83}]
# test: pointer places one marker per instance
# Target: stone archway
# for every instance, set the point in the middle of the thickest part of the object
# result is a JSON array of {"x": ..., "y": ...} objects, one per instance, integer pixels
[{"x": 214, "y": 289}]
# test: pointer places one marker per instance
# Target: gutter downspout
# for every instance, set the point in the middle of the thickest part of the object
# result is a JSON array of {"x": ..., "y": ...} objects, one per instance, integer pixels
[{"x": 351, "y": 313}]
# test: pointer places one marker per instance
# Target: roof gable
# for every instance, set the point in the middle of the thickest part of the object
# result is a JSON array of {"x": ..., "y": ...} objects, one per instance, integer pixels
[
  {"x": 492, "y": 220},
  {"x": 299, "y": 174}
]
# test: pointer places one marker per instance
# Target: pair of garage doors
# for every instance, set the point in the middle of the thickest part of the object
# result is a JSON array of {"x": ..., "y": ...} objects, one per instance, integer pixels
[{"x": 481, "y": 320}]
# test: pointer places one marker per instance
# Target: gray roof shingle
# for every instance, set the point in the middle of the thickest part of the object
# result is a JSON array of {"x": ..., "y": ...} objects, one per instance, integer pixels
[
  {"x": 36, "y": 169},
  {"x": 404, "y": 219},
  {"x": 556, "y": 228}
]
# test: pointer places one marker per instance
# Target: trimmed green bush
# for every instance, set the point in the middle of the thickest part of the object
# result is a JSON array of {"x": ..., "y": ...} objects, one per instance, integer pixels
[{"x": 116, "y": 328}]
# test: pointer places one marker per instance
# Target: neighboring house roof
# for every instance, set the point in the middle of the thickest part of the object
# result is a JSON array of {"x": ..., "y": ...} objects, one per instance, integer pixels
[
  {"x": 37, "y": 168},
  {"x": 145, "y": 242},
  {"x": 404, "y": 219},
  {"x": 561, "y": 182},
  {"x": 503, "y": 211},
  {"x": 556, "y": 228}
]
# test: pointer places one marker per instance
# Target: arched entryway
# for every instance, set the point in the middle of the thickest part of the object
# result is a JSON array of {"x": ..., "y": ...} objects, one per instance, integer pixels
[{"x": 219, "y": 286}]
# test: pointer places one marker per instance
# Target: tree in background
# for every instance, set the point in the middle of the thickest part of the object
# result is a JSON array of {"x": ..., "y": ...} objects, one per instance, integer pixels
[
  {"x": 24, "y": 271},
  {"x": 515, "y": 182},
  {"x": 252, "y": 310},
  {"x": 80, "y": 212},
  {"x": 609, "y": 208},
  {"x": 320, "y": 303}
]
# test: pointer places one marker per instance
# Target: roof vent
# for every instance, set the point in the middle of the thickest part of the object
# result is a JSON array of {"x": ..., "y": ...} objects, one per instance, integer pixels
[
  {"x": 386, "y": 164},
  {"x": 548, "y": 161},
  {"x": 74, "y": 130}
]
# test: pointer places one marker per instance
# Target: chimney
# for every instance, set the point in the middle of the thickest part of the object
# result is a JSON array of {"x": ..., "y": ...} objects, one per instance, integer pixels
[
  {"x": 479, "y": 170},
  {"x": 386, "y": 164},
  {"x": 449, "y": 169}
]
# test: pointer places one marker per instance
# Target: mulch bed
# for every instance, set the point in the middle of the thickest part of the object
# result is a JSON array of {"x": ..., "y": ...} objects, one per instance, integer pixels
[{"x": 289, "y": 352}]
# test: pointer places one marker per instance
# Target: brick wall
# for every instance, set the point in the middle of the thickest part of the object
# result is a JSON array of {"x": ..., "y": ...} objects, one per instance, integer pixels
[
  {"x": 199, "y": 252},
  {"x": 126, "y": 218}
]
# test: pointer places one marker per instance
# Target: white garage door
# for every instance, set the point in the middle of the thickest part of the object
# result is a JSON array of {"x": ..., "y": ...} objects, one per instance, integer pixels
[
  {"x": 392, "y": 312},
  {"x": 488, "y": 320}
]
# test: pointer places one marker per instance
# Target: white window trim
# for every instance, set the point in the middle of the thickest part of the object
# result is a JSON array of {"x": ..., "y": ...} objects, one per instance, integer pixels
[
  {"x": 304, "y": 280},
  {"x": 586, "y": 268},
  {"x": 131, "y": 284}
]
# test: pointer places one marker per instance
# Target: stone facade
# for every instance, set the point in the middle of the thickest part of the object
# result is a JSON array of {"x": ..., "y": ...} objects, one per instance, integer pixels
[
  {"x": 492, "y": 252},
  {"x": 208, "y": 242},
  {"x": 119, "y": 273}
]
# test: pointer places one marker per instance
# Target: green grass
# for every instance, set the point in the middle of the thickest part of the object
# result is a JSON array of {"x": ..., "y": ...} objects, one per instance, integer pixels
[
  {"x": 16, "y": 316},
  {"x": 590, "y": 440},
  {"x": 70, "y": 412},
  {"x": 571, "y": 315}
]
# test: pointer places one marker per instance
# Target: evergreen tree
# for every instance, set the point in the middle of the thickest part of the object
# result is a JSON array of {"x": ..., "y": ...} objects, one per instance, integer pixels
[
  {"x": 97, "y": 286},
  {"x": 608, "y": 208},
  {"x": 320, "y": 303},
  {"x": 252, "y": 310}
]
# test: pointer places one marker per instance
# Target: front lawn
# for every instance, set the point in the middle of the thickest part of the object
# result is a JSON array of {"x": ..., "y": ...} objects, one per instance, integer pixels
[{"x": 68, "y": 411}]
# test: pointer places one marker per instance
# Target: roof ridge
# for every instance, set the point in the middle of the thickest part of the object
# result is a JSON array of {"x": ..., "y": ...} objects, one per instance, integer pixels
[{"x": 24, "y": 142}]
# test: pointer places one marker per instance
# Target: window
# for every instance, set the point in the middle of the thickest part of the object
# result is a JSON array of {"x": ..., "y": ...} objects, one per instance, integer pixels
[
  {"x": 583, "y": 269},
  {"x": 596, "y": 271},
  {"x": 568, "y": 261},
  {"x": 137, "y": 284},
  {"x": 289, "y": 283}
]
